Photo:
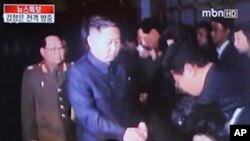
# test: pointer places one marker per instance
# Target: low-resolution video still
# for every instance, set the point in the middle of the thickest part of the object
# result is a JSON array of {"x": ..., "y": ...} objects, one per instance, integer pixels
[{"x": 124, "y": 70}]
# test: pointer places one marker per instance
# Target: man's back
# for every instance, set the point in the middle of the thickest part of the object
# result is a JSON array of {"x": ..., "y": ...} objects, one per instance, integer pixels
[{"x": 225, "y": 88}]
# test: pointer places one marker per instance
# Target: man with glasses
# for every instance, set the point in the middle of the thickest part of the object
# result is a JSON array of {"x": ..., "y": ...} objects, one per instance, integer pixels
[{"x": 44, "y": 106}]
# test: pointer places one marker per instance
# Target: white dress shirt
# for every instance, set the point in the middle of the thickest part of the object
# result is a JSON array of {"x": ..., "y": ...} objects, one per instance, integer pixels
[{"x": 222, "y": 48}]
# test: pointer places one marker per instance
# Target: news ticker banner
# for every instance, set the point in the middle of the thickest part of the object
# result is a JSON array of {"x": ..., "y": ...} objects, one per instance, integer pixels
[
  {"x": 239, "y": 132},
  {"x": 29, "y": 13}
]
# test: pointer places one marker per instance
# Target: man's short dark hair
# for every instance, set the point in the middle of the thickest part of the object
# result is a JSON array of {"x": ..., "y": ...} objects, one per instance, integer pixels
[
  {"x": 43, "y": 43},
  {"x": 180, "y": 33},
  {"x": 178, "y": 55},
  {"x": 204, "y": 24},
  {"x": 227, "y": 23},
  {"x": 99, "y": 22},
  {"x": 148, "y": 24}
]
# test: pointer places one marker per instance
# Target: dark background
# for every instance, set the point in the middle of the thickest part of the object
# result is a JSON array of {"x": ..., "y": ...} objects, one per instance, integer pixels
[{"x": 20, "y": 43}]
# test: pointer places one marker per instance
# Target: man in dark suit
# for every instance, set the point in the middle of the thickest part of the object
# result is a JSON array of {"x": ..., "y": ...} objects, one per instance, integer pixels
[
  {"x": 98, "y": 88},
  {"x": 208, "y": 82},
  {"x": 44, "y": 105},
  {"x": 228, "y": 56}
]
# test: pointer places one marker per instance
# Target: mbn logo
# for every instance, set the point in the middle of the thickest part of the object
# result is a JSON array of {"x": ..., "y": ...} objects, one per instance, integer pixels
[{"x": 226, "y": 13}]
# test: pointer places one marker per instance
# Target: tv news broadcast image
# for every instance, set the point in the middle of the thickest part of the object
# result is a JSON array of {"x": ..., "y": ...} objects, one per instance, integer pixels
[{"x": 124, "y": 70}]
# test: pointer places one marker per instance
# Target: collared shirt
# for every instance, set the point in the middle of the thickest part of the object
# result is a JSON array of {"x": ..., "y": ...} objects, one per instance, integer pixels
[
  {"x": 236, "y": 115},
  {"x": 222, "y": 48},
  {"x": 101, "y": 66}
]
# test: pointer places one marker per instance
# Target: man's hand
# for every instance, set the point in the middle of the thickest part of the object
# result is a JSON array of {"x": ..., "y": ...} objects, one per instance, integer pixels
[
  {"x": 143, "y": 127},
  {"x": 143, "y": 97},
  {"x": 143, "y": 53},
  {"x": 136, "y": 134}
]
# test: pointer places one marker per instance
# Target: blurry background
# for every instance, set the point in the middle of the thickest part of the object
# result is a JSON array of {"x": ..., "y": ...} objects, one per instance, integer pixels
[{"x": 19, "y": 43}]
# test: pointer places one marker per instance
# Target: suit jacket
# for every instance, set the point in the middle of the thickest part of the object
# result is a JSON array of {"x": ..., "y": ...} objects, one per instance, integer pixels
[
  {"x": 44, "y": 105},
  {"x": 238, "y": 64},
  {"x": 98, "y": 94},
  {"x": 232, "y": 59},
  {"x": 224, "y": 88}
]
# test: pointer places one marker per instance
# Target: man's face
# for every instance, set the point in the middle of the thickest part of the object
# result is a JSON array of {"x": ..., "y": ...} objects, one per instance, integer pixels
[
  {"x": 148, "y": 40},
  {"x": 202, "y": 36},
  {"x": 105, "y": 43},
  {"x": 54, "y": 51},
  {"x": 241, "y": 42},
  {"x": 187, "y": 81},
  {"x": 219, "y": 33}
]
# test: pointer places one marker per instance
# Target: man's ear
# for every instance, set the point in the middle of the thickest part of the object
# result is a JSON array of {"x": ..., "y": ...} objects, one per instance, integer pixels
[
  {"x": 189, "y": 70},
  {"x": 228, "y": 32},
  {"x": 90, "y": 41},
  {"x": 42, "y": 51}
]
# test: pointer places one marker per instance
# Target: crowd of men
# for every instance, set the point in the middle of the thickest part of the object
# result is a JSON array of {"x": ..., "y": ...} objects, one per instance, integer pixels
[{"x": 175, "y": 84}]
